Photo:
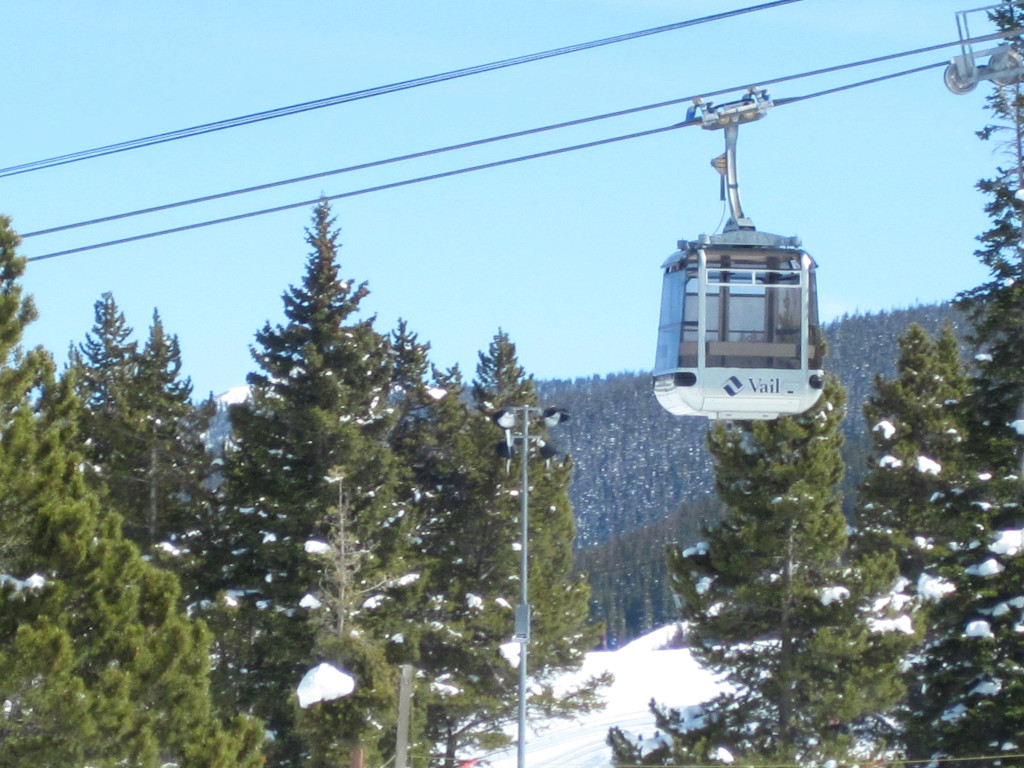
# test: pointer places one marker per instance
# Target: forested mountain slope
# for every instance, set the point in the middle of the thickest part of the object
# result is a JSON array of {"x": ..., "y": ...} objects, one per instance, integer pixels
[
  {"x": 644, "y": 478},
  {"x": 636, "y": 464}
]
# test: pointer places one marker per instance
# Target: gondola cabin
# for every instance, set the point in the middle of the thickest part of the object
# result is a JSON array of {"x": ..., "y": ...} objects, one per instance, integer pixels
[{"x": 738, "y": 336}]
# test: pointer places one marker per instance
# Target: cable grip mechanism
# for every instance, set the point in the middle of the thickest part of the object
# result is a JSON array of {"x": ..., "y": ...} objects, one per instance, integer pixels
[{"x": 729, "y": 116}]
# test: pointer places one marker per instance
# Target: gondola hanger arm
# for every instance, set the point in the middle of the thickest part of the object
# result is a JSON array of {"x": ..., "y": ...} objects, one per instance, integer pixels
[{"x": 729, "y": 116}]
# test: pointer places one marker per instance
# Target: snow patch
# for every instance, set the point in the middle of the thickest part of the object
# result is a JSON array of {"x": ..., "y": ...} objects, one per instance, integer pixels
[
  {"x": 831, "y": 595},
  {"x": 643, "y": 670},
  {"x": 700, "y": 548},
  {"x": 657, "y": 640},
  {"x": 169, "y": 549},
  {"x": 886, "y": 428},
  {"x": 234, "y": 396},
  {"x": 310, "y": 602},
  {"x": 987, "y": 688},
  {"x": 954, "y": 713},
  {"x": 978, "y": 628},
  {"x": 901, "y": 624},
  {"x": 723, "y": 755},
  {"x": 933, "y": 587},
  {"x": 440, "y": 686},
  {"x": 34, "y": 582},
  {"x": 510, "y": 651},
  {"x": 324, "y": 682},
  {"x": 988, "y": 568},
  {"x": 928, "y": 466},
  {"x": 1008, "y": 543}
]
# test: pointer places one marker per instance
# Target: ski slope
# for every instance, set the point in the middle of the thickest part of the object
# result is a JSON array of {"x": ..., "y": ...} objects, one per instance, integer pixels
[{"x": 643, "y": 670}]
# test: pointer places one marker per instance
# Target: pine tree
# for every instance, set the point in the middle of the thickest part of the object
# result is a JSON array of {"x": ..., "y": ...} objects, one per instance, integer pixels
[
  {"x": 98, "y": 666},
  {"x": 472, "y": 536},
  {"x": 310, "y": 463},
  {"x": 773, "y": 607}
]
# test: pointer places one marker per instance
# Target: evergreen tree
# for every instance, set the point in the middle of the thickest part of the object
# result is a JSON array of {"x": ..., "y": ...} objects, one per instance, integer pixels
[
  {"x": 996, "y": 307},
  {"x": 310, "y": 463},
  {"x": 773, "y": 607},
  {"x": 104, "y": 365},
  {"x": 559, "y": 634},
  {"x": 916, "y": 499},
  {"x": 975, "y": 691},
  {"x": 98, "y": 666},
  {"x": 140, "y": 432},
  {"x": 471, "y": 531},
  {"x": 178, "y": 464},
  {"x": 918, "y": 431}
]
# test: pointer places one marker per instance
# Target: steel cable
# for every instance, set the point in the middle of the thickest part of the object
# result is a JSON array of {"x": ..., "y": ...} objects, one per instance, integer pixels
[{"x": 293, "y": 109}]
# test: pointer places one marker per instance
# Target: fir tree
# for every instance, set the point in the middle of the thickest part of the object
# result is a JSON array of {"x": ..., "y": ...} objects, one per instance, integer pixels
[
  {"x": 104, "y": 365},
  {"x": 916, "y": 499},
  {"x": 471, "y": 533},
  {"x": 971, "y": 667},
  {"x": 918, "y": 430},
  {"x": 140, "y": 432},
  {"x": 309, "y": 462},
  {"x": 98, "y": 666},
  {"x": 177, "y": 463},
  {"x": 773, "y": 607},
  {"x": 996, "y": 307}
]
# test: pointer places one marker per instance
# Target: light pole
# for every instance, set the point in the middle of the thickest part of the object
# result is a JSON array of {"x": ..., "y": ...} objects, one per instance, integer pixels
[{"x": 507, "y": 419}]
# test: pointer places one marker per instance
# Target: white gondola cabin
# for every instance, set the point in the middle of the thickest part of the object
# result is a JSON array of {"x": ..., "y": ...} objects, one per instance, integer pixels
[{"x": 738, "y": 336}]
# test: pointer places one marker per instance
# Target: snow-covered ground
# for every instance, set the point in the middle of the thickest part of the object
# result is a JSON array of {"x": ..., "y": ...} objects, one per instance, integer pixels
[{"x": 643, "y": 670}]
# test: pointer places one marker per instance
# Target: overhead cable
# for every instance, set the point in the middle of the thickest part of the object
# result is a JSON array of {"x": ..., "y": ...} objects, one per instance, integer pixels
[
  {"x": 527, "y": 132},
  {"x": 443, "y": 174},
  {"x": 367, "y": 190},
  {"x": 270, "y": 114}
]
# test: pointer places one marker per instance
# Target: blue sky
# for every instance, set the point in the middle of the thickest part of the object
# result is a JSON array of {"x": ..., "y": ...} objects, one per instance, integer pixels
[{"x": 562, "y": 252}]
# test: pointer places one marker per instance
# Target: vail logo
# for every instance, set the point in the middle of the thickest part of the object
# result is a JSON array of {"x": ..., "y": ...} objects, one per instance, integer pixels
[
  {"x": 765, "y": 386},
  {"x": 733, "y": 386}
]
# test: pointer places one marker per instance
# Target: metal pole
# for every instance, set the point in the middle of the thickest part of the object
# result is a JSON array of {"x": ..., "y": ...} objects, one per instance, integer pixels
[
  {"x": 524, "y": 590},
  {"x": 404, "y": 708}
]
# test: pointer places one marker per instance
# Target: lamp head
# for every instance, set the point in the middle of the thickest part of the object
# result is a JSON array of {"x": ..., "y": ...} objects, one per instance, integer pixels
[
  {"x": 555, "y": 416},
  {"x": 547, "y": 450},
  {"x": 505, "y": 418}
]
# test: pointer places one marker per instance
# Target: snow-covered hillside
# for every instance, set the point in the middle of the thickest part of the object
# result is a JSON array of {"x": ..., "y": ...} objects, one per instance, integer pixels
[{"x": 643, "y": 670}]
